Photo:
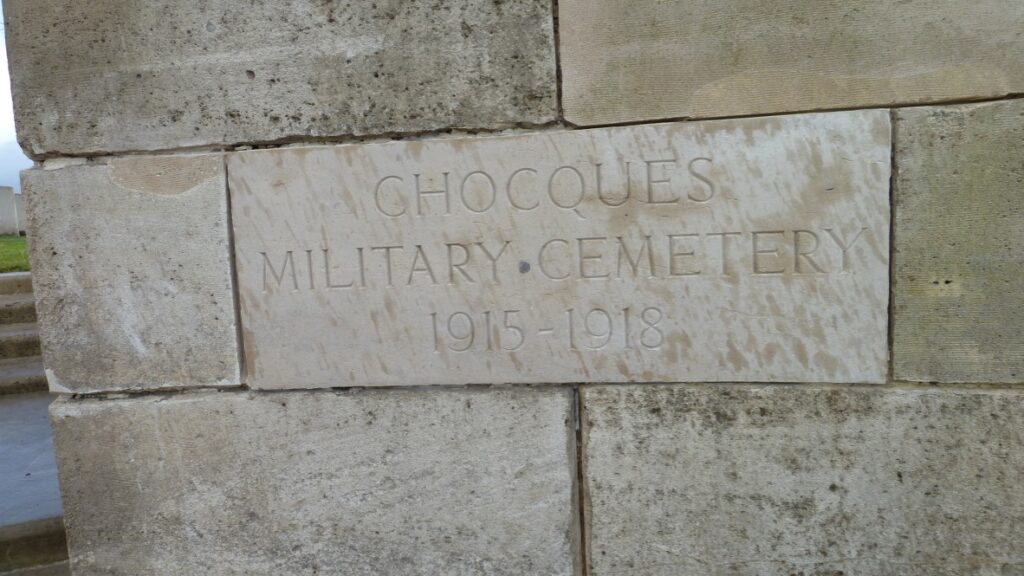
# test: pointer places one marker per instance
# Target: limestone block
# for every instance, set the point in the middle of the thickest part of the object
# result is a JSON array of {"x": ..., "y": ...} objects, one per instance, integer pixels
[
  {"x": 112, "y": 76},
  {"x": 958, "y": 313},
  {"x": 132, "y": 274},
  {"x": 784, "y": 480},
  {"x": 634, "y": 60},
  {"x": 399, "y": 482},
  {"x": 8, "y": 211},
  {"x": 752, "y": 250}
]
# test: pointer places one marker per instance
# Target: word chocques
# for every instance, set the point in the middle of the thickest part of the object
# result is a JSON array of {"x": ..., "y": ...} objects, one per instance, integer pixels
[{"x": 526, "y": 189}]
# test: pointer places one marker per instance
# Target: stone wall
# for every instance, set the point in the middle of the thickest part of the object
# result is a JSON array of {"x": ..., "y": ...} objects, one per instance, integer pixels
[{"x": 385, "y": 288}]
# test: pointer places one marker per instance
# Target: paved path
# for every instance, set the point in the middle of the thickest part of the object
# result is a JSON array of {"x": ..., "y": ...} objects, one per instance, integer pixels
[{"x": 28, "y": 473}]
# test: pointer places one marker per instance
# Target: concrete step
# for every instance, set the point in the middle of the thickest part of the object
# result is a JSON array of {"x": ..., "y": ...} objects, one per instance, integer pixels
[
  {"x": 19, "y": 340},
  {"x": 16, "y": 283},
  {"x": 34, "y": 549},
  {"x": 19, "y": 375},
  {"x": 17, "y": 308}
]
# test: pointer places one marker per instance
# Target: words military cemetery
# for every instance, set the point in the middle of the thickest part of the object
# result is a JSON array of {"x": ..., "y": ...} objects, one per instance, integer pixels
[{"x": 660, "y": 252}]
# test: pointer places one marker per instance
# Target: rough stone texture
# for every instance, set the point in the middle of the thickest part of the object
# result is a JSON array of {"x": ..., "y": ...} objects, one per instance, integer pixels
[
  {"x": 111, "y": 76},
  {"x": 132, "y": 274},
  {"x": 958, "y": 313},
  {"x": 399, "y": 482},
  {"x": 632, "y": 60},
  {"x": 781, "y": 480},
  {"x": 585, "y": 262}
]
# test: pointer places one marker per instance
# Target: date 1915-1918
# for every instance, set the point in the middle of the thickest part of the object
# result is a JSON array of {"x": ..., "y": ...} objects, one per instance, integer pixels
[{"x": 505, "y": 330}]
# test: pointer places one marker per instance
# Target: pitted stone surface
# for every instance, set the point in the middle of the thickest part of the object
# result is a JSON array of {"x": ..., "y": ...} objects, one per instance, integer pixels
[
  {"x": 783, "y": 480},
  {"x": 752, "y": 250},
  {"x": 399, "y": 482},
  {"x": 958, "y": 282},
  {"x": 109, "y": 76},
  {"x": 636, "y": 60},
  {"x": 132, "y": 274}
]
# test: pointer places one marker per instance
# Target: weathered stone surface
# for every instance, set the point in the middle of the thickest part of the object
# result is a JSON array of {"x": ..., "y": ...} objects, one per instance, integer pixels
[
  {"x": 630, "y": 60},
  {"x": 958, "y": 313},
  {"x": 132, "y": 274},
  {"x": 398, "y": 482},
  {"x": 524, "y": 272},
  {"x": 783, "y": 480},
  {"x": 110, "y": 76}
]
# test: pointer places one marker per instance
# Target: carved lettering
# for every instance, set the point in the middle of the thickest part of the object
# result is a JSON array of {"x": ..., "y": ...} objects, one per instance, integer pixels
[
  {"x": 422, "y": 194},
  {"x": 459, "y": 267},
  {"x": 634, "y": 263},
  {"x": 420, "y": 264},
  {"x": 600, "y": 187},
  {"x": 508, "y": 190},
  {"x": 725, "y": 248},
  {"x": 289, "y": 264},
  {"x": 845, "y": 246},
  {"x": 493, "y": 258},
  {"x": 653, "y": 181},
  {"x": 802, "y": 254},
  {"x": 589, "y": 260},
  {"x": 544, "y": 263},
  {"x": 387, "y": 260},
  {"x": 379, "y": 203},
  {"x": 581, "y": 192},
  {"x": 327, "y": 270},
  {"x": 703, "y": 178},
  {"x": 674, "y": 255},
  {"x": 493, "y": 191},
  {"x": 665, "y": 252},
  {"x": 759, "y": 266}
]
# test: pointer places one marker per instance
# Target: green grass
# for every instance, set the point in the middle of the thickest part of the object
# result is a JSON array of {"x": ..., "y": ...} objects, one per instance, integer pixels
[{"x": 13, "y": 254}]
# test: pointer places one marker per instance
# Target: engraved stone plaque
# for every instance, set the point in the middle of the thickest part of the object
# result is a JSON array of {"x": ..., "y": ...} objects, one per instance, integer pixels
[{"x": 736, "y": 250}]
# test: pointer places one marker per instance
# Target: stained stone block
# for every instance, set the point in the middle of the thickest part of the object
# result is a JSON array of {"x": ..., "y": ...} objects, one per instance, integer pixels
[
  {"x": 634, "y": 60},
  {"x": 739, "y": 250},
  {"x": 776, "y": 481},
  {"x": 112, "y": 76},
  {"x": 397, "y": 482},
  {"x": 132, "y": 274},
  {"x": 958, "y": 313}
]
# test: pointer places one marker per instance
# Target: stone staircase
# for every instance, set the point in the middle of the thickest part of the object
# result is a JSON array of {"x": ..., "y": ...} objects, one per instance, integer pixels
[
  {"x": 21, "y": 367},
  {"x": 32, "y": 541}
]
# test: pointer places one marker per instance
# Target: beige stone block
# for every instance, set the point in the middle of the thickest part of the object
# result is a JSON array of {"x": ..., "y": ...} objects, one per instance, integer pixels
[
  {"x": 634, "y": 60},
  {"x": 752, "y": 250},
  {"x": 784, "y": 480},
  {"x": 109, "y": 76},
  {"x": 132, "y": 274},
  {"x": 398, "y": 482},
  {"x": 958, "y": 313}
]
